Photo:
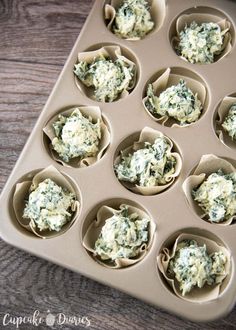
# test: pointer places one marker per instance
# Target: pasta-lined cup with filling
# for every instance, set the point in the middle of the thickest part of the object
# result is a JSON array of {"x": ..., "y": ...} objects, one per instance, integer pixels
[
  {"x": 175, "y": 100},
  {"x": 47, "y": 204},
  {"x": 226, "y": 121},
  {"x": 202, "y": 38},
  {"x": 133, "y": 19},
  {"x": 149, "y": 166},
  {"x": 195, "y": 267},
  {"x": 78, "y": 136},
  {"x": 211, "y": 190},
  {"x": 105, "y": 74},
  {"x": 121, "y": 237}
]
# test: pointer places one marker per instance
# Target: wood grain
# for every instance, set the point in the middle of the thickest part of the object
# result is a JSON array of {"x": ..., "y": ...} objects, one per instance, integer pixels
[{"x": 36, "y": 37}]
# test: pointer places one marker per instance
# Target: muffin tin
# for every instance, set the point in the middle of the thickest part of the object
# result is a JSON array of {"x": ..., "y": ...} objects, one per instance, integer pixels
[{"x": 97, "y": 186}]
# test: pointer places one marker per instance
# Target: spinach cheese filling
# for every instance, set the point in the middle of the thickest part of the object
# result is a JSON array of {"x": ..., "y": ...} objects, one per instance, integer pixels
[
  {"x": 133, "y": 19},
  {"x": 122, "y": 236},
  {"x": 217, "y": 196},
  {"x": 229, "y": 123},
  {"x": 193, "y": 267},
  {"x": 49, "y": 206},
  {"x": 177, "y": 101},
  {"x": 201, "y": 43},
  {"x": 108, "y": 78},
  {"x": 76, "y": 136},
  {"x": 149, "y": 166}
]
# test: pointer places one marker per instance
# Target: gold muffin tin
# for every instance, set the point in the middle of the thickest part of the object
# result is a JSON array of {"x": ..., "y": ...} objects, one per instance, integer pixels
[{"x": 96, "y": 185}]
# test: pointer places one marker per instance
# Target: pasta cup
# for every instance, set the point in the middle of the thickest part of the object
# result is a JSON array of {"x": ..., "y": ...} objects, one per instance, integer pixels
[
  {"x": 87, "y": 111},
  {"x": 22, "y": 191},
  {"x": 208, "y": 165},
  {"x": 114, "y": 53},
  {"x": 199, "y": 18},
  {"x": 157, "y": 11},
  {"x": 167, "y": 79},
  {"x": 197, "y": 295},
  {"x": 150, "y": 135},
  {"x": 93, "y": 231},
  {"x": 222, "y": 112}
]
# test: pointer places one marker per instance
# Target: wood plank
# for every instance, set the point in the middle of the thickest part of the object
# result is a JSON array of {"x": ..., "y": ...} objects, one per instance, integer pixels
[{"x": 36, "y": 38}]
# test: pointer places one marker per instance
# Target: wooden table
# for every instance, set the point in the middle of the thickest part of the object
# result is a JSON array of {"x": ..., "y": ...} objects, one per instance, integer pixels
[{"x": 36, "y": 37}]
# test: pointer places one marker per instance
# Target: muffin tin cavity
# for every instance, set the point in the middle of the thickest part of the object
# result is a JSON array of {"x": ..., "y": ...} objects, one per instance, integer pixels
[
  {"x": 224, "y": 121},
  {"x": 29, "y": 183},
  {"x": 202, "y": 54},
  {"x": 157, "y": 9},
  {"x": 119, "y": 210},
  {"x": 86, "y": 131},
  {"x": 219, "y": 195},
  {"x": 200, "y": 292},
  {"x": 166, "y": 189},
  {"x": 195, "y": 92},
  {"x": 107, "y": 72},
  {"x": 161, "y": 155}
]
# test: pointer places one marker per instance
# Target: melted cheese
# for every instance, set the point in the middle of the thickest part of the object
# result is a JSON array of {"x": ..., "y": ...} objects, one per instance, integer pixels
[
  {"x": 201, "y": 43},
  {"x": 177, "y": 101},
  {"x": 229, "y": 123},
  {"x": 150, "y": 166},
  {"x": 76, "y": 136},
  {"x": 133, "y": 19},
  {"x": 217, "y": 196},
  {"x": 108, "y": 78},
  {"x": 49, "y": 206},
  {"x": 122, "y": 236},
  {"x": 193, "y": 267}
]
